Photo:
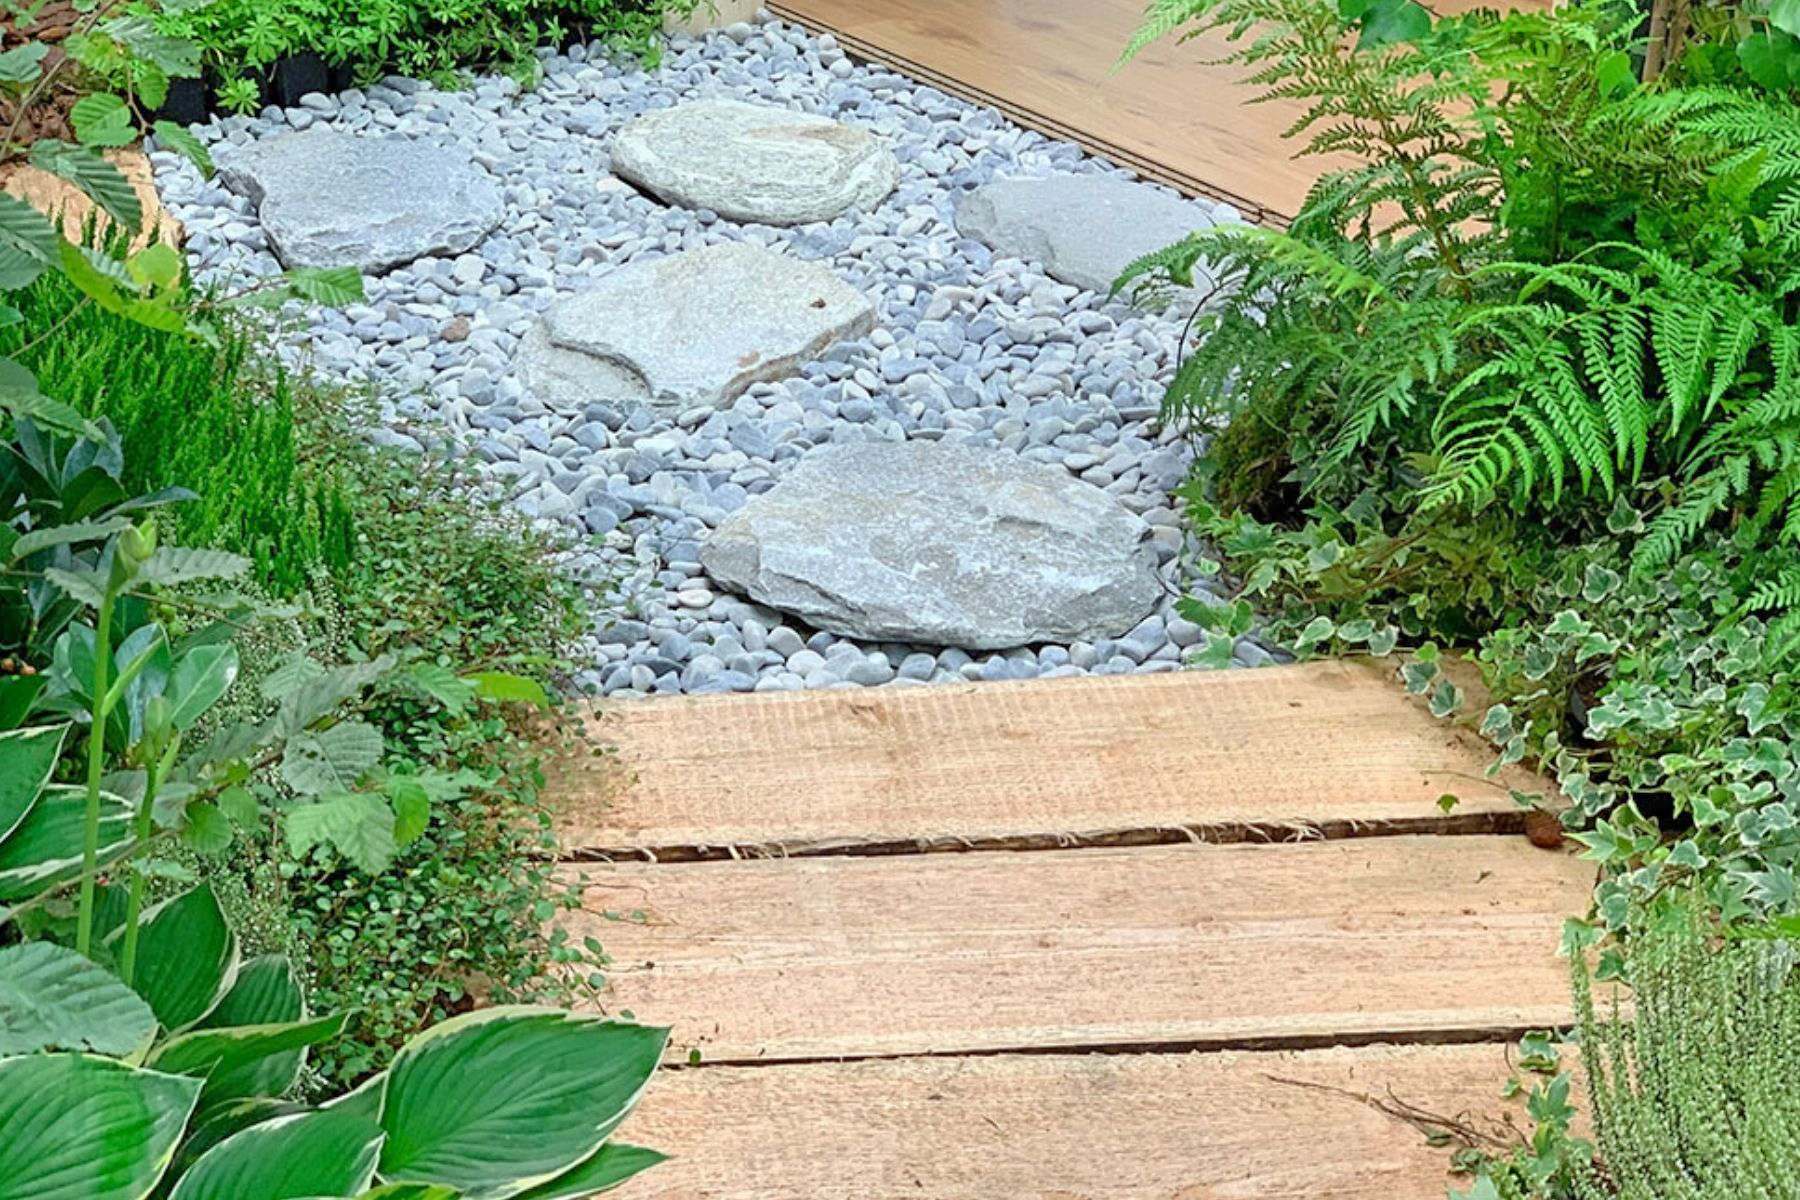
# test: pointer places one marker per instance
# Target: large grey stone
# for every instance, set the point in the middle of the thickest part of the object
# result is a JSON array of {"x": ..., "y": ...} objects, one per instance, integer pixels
[
  {"x": 690, "y": 329},
  {"x": 331, "y": 199},
  {"x": 942, "y": 544},
  {"x": 751, "y": 162},
  {"x": 1083, "y": 229}
]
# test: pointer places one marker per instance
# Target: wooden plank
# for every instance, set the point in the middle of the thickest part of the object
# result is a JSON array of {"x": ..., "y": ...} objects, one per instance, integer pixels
[
  {"x": 1174, "y": 113},
  {"x": 1403, "y": 938},
  {"x": 1126, "y": 1127},
  {"x": 1336, "y": 747},
  {"x": 1051, "y": 64}
]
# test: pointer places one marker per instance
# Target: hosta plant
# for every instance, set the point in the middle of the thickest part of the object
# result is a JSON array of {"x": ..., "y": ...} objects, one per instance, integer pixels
[{"x": 174, "y": 1089}]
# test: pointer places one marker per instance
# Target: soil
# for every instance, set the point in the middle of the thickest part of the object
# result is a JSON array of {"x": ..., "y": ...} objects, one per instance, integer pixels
[{"x": 49, "y": 117}]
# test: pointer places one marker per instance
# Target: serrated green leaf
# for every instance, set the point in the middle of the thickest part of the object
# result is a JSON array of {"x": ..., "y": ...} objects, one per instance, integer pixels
[
  {"x": 359, "y": 826},
  {"x": 182, "y": 564},
  {"x": 178, "y": 139},
  {"x": 96, "y": 178},
  {"x": 334, "y": 286},
  {"x": 102, "y": 119},
  {"x": 207, "y": 831},
  {"x": 333, "y": 759},
  {"x": 23, "y": 64}
]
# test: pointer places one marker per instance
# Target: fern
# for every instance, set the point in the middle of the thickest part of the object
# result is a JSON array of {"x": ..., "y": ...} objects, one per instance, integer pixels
[{"x": 1527, "y": 288}]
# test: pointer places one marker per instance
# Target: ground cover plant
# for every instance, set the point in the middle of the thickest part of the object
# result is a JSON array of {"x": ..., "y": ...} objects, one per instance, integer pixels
[
  {"x": 1520, "y": 381},
  {"x": 241, "y": 40}
]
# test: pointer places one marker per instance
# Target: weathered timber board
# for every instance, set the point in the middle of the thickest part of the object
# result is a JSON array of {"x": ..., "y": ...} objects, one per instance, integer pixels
[
  {"x": 1064, "y": 1127},
  {"x": 1337, "y": 745},
  {"x": 1293, "y": 945}
]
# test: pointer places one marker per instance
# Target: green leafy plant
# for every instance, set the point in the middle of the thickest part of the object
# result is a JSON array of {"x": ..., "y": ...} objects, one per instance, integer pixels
[
  {"x": 1689, "y": 1092},
  {"x": 1542, "y": 283},
  {"x": 175, "y": 1088},
  {"x": 243, "y": 38}
]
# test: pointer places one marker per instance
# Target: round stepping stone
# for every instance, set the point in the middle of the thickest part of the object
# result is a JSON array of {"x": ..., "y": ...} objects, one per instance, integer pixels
[
  {"x": 1083, "y": 229},
  {"x": 939, "y": 544},
  {"x": 751, "y": 162},
  {"x": 691, "y": 329},
  {"x": 331, "y": 199}
]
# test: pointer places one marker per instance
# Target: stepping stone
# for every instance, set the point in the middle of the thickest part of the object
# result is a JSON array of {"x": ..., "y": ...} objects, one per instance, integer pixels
[
  {"x": 1082, "y": 229},
  {"x": 689, "y": 330},
  {"x": 751, "y": 162},
  {"x": 939, "y": 544},
  {"x": 331, "y": 199}
]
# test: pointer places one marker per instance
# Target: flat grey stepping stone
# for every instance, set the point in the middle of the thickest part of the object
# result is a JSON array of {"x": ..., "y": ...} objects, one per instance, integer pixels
[
  {"x": 940, "y": 544},
  {"x": 331, "y": 199},
  {"x": 1082, "y": 229},
  {"x": 691, "y": 329},
  {"x": 751, "y": 162}
]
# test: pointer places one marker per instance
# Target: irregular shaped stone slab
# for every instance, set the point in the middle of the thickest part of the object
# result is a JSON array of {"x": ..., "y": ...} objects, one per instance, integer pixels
[
  {"x": 940, "y": 544},
  {"x": 1083, "y": 229},
  {"x": 751, "y": 162},
  {"x": 331, "y": 199},
  {"x": 689, "y": 330}
]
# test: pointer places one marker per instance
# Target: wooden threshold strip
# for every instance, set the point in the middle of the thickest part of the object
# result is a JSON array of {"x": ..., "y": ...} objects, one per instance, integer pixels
[{"x": 1191, "y": 185}]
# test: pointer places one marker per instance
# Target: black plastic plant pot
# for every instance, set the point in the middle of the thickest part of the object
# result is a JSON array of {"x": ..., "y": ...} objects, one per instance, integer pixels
[
  {"x": 295, "y": 76},
  {"x": 187, "y": 103},
  {"x": 340, "y": 77}
]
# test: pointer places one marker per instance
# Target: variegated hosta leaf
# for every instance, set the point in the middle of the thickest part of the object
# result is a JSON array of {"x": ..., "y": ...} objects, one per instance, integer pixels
[
  {"x": 27, "y": 756},
  {"x": 80, "y": 1127},
  {"x": 187, "y": 956},
  {"x": 220, "y": 1055},
  {"x": 498, "y": 1102},
  {"x": 54, "y": 998},
  {"x": 267, "y": 992},
  {"x": 45, "y": 849},
  {"x": 610, "y": 1166},
  {"x": 321, "y": 1153}
]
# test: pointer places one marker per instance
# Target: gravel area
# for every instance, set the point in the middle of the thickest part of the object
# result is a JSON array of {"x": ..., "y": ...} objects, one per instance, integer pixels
[{"x": 967, "y": 347}]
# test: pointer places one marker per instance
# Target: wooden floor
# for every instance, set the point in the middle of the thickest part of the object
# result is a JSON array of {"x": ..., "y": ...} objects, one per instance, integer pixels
[
  {"x": 1171, "y": 114},
  {"x": 1197, "y": 935}
]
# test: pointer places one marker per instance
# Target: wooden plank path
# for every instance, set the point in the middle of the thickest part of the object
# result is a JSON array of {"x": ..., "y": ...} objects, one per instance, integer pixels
[{"x": 1151, "y": 936}]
